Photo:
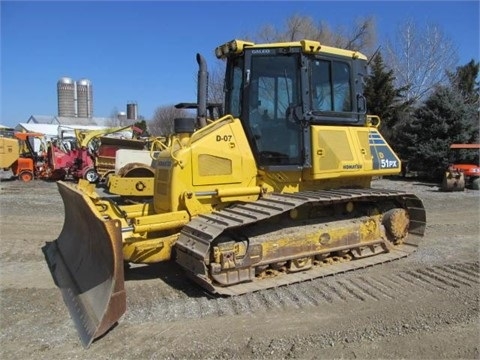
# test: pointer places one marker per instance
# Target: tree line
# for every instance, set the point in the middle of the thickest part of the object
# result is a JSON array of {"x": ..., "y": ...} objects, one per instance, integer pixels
[{"x": 426, "y": 102}]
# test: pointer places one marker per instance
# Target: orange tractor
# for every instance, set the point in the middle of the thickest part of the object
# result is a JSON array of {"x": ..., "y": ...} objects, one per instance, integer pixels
[
  {"x": 464, "y": 173},
  {"x": 61, "y": 158},
  {"x": 18, "y": 155}
]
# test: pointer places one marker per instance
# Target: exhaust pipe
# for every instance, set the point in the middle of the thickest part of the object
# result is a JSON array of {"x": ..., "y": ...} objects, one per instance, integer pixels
[{"x": 202, "y": 91}]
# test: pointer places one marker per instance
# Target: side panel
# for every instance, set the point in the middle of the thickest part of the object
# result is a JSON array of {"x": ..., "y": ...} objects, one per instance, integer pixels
[
  {"x": 215, "y": 158},
  {"x": 384, "y": 160},
  {"x": 350, "y": 151},
  {"x": 9, "y": 151},
  {"x": 222, "y": 157}
]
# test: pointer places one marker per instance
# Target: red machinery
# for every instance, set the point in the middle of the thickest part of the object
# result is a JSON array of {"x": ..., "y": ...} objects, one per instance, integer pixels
[
  {"x": 76, "y": 157},
  {"x": 461, "y": 175},
  {"x": 66, "y": 159}
]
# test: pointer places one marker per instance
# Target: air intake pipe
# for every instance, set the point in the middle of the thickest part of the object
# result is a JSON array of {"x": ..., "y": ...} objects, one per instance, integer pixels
[{"x": 202, "y": 91}]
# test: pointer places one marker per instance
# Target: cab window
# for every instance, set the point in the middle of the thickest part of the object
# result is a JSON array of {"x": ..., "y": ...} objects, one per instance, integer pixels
[{"x": 331, "y": 86}]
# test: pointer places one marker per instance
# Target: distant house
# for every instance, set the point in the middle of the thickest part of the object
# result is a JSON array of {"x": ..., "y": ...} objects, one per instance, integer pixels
[
  {"x": 43, "y": 119},
  {"x": 5, "y": 128},
  {"x": 53, "y": 126},
  {"x": 47, "y": 129},
  {"x": 72, "y": 121}
]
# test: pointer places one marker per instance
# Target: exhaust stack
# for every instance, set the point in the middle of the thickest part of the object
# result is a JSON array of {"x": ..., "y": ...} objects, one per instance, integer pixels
[{"x": 202, "y": 91}]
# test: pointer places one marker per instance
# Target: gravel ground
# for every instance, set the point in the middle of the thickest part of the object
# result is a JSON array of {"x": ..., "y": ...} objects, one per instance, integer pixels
[{"x": 425, "y": 306}]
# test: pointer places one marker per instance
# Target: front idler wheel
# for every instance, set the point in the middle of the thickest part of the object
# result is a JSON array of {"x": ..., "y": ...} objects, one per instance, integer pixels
[{"x": 396, "y": 222}]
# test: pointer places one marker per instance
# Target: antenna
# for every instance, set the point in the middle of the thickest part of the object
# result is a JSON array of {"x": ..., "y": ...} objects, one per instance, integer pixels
[{"x": 374, "y": 54}]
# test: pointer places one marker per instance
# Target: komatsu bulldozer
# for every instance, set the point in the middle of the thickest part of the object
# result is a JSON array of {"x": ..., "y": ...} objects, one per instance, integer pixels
[{"x": 275, "y": 191}]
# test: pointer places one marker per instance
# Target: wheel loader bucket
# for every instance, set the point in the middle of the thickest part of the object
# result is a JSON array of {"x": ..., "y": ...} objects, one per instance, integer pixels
[{"x": 86, "y": 263}]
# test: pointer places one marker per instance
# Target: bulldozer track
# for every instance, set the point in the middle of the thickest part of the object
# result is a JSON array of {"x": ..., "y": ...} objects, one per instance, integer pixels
[
  {"x": 198, "y": 236},
  {"x": 317, "y": 272},
  {"x": 341, "y": 288}
]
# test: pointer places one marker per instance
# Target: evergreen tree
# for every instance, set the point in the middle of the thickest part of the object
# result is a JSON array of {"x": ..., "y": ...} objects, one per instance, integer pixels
[
  {"x": 444, "y": 119},
  {"x": 383, "y": 99},
  {"x": 464, "y": 80}
]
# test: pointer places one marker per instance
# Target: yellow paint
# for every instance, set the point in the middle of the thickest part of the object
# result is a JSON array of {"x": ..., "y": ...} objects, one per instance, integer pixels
[
  {"x": 149, "y": 251},
  {"x": 313, "y": 240},
  {"x": 307, "y": 46}
]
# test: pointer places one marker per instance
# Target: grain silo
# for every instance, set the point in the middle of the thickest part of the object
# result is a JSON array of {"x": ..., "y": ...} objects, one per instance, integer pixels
[
  {"x": 132, "y": 111},
  {"x": 122, "y": 116},
  {"x": 84, "y": 98},
  {"x": 66, "y": 97}
]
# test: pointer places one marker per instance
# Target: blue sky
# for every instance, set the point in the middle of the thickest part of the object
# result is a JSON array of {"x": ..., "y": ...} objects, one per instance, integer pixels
[{"x": 145, "y": 51}]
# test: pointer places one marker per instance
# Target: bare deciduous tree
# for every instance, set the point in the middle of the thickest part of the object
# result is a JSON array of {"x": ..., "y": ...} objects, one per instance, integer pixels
[
  {"x": 420, "y": 58},
  {"x": 162, "y": 121},
  {"x": 215, "y": 83},
  {"x": 119, "y": 118},
  {"x": 113, "y": 118},
  {"x": 361, "y": 36}
]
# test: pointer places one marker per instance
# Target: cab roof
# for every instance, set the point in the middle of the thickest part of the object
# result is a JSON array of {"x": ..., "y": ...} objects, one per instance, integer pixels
[{"x": 307, "y": 46}]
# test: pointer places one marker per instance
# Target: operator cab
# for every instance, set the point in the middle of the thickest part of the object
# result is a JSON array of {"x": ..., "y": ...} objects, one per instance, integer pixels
[{"x": 279, "y": 91}]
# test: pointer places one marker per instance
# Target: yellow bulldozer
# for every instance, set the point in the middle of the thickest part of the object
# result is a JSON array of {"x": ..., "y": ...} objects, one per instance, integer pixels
[{"x": 276, "y": 191}]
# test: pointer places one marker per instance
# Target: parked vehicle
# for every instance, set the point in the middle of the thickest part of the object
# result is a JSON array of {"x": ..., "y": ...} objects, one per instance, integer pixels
[
  {"x": 77, "y": 157},
  {"x": 460, "y": 175},
  {"x": 275, "y": 192},
  {"x": 17, "y": 154}
]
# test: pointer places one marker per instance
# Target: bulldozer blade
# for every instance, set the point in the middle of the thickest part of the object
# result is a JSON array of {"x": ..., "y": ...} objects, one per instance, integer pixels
[{"x": 86, "y": 263}]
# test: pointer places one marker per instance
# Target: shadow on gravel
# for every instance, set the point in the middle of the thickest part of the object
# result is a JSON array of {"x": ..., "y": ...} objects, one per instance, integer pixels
[
  {"x": 170, "y": 273},
  {"x": 8, "y": 179}
]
